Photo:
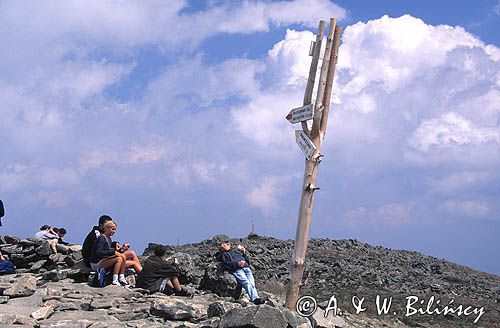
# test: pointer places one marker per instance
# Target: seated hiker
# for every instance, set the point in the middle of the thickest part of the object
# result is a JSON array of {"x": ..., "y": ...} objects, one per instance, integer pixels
[
  {"x": 88, "y": 244},
  {"x": 47, "y": 233},
  {"x": 238, "y": 263},
  {"x": 158, "y": 275},
  {"x": 6, "y": 266},
  {"x": 61, "y": 232},
  {"x": 91, "y": 237},
  {"x": 104, "y": 256}
]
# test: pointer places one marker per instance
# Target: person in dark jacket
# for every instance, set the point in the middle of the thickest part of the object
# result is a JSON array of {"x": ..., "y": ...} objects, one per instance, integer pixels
[
  {"x": 158, "y": 275},
  {"x": 6, "y": 266},
  {"x": 103, "y": 257},
  {"x": 61, "y": 232},
  {"x": 2, "y": 212},
  {"x": 238, "y": 263},
  {"x": 91, "y": 237}
]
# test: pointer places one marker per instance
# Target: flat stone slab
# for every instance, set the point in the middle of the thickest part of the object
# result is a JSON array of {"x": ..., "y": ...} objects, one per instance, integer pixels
[{"x": 261, "y": 316}]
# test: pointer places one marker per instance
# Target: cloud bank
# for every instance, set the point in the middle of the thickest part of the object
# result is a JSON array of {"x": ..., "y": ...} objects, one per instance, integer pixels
[{"x": 121, "y": 108}]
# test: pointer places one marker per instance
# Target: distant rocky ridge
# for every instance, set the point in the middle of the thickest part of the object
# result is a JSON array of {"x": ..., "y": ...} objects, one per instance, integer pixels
[{"x": 51, "y": 290}]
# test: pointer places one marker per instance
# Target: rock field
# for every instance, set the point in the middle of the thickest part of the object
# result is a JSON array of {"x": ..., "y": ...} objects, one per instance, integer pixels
[{"x": 52, "y": 290}]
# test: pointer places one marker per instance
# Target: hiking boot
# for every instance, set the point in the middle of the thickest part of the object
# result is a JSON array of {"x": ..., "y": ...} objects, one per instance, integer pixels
[
  {"x": 184, "y": 293},
  {"x": 123, "y": 282},
  {"x": 259, "y": 301},
  {"x": 168, "y": 291}
]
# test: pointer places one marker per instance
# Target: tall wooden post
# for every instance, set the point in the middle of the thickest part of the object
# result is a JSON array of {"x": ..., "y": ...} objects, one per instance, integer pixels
[
  {"x": 312, "y": 70},
  {"x": 316, "y": 134}
]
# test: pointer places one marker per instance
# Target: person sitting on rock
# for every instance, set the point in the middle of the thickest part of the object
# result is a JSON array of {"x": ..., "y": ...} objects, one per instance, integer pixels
[
  {"x": 6, "y": 266},
  {"x": 158, "y": 275},
  {"x": 238, "y": 263},
  {"x": 48, "y": 234},
  {"x": 104, "y": 256},
  {"x": 61, "y": 232},
  {"x": 88, "y": 244},
  {"x": 91, "y": 237}
]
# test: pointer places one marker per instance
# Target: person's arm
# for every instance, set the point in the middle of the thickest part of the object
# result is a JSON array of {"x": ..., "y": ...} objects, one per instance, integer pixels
[
  {"x": 243, "y": 251},
  {"x": 51, "y": 234},
  {"x": 62, "y": 242},
  {"x": 247, "y": 259},
  {"x": 169, "y": 269}
]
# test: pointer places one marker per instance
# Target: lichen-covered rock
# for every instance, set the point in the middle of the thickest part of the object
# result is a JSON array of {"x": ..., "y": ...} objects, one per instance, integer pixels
[
  {"x": 55, "y": 275},
  {"x": 343, "y": 267},
  {"x": 12, "y": 249},
  {"x": 220, "y": 282},
  {"x": 294, "y": 319},
  {"x": 44, "y": 249},
  {"x": 24, "y": 286},
  {"x": 38, "y": 265},
  {"x": 177, "y": 308},
  {"x": 9, "y": 240},
  {"x": 216, "y": 309},
  {"x": 318, "y": 320},
  {"x": 16, "y": 319},
  {"x": 262, "y": 316},
  {"x": 42, "y": 312}
]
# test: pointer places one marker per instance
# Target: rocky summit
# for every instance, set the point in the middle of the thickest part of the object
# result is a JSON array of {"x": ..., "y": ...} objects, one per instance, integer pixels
[{"x": 346, "y": 284}]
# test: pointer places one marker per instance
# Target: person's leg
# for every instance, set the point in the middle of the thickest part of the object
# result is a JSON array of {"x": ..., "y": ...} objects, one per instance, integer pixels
[
  {"x": 178, "y": 290},
  {"x": 135, "y": 264},
  {"x": 53, "y": 245},
  {"x": 133, "y": 261},
  {"x": 123, "y": 264},
  {"x": 121, "y": 273},
  {"x": 167, "y": 287},
  {"x": 242, "y": 279},
  {"x": 176, "y": 285},
  {"x": 169, "y": 283},
  {"x": 249, "y": 274},
  {"x": 113, "y": 261}
]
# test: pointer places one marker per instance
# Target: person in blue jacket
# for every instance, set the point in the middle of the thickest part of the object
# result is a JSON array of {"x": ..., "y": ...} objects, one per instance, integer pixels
[
  {"x": 238, "y": 263},
  {"x": 104, "y": 256},
  {"x": 6, "y": 266}
]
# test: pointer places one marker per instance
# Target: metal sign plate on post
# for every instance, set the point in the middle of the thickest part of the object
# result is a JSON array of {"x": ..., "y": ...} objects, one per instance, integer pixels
[
  {"x": 305, "y": 144},
  {"x": 300, "y": 114}
]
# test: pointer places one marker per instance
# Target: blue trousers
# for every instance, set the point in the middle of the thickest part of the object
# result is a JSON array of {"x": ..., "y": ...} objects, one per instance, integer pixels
[{"x": 244, "y": 277}]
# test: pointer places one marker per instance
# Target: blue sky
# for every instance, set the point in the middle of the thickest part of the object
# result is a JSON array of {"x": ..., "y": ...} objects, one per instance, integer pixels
[{"x": 170, "y": 118}]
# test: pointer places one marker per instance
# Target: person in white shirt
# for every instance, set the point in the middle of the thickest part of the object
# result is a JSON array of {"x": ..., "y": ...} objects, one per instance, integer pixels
[{"x": 46, "y": 233}]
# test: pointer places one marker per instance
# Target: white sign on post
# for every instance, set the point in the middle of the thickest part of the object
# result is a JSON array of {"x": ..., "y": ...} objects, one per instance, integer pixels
[
  {"x": 305, "y": 144},
  {"x": 300, "y": 114}
]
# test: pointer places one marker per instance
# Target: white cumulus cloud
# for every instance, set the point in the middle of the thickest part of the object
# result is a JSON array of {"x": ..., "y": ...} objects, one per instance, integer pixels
[
  {"x": 450, "y": 130},
  {"x": 266, "y": 195}
]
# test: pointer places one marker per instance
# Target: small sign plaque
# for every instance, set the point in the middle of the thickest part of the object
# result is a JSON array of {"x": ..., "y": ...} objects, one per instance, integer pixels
[
  {"x": 305, "y": 144},
  {"x": 300, "y": 114}
]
